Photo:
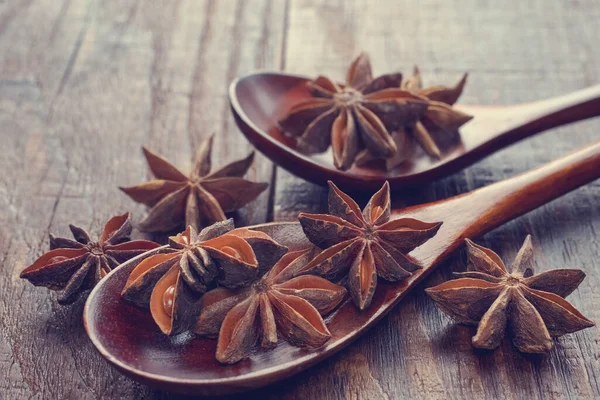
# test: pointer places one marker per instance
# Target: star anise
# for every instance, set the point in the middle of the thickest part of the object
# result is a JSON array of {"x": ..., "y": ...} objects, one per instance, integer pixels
[
  {"x": 171, "y": 284},
  {"x": 276, "y": 303},
  {"x": 73, "y": 266},
  {"x": 200, "y": 199},
  {"x": 439, "y": 115},
  {"x": 531, "y": 306},
  {"x": 357, "y": 115},
  {"x": 364, "y": 244}
]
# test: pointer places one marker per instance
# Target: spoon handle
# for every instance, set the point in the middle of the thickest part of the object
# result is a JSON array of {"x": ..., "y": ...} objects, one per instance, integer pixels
[
  {"x": 506, "y": 200},
  {"x": 497, "y": 127},
  {"x": 550, "y": 113},
  {"x": 475, "y": 213}
]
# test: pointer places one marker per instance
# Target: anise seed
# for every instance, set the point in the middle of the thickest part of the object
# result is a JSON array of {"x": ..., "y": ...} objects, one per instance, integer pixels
[{"x": 168, "y": 300}]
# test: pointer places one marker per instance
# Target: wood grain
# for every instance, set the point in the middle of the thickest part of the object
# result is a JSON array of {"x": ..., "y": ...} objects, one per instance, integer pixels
[{"x": 83, "y": 83}]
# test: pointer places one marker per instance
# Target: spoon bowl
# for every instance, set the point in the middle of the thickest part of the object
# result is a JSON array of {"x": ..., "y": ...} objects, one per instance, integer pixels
[
  {"x": 129, "y": 339},
  {"x": 260, "y": 99}
]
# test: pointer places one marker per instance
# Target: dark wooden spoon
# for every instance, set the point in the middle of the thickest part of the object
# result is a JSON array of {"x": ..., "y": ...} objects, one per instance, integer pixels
[
  {"x": 260, "y": 99},
  {"x": 128, "y": 338}
]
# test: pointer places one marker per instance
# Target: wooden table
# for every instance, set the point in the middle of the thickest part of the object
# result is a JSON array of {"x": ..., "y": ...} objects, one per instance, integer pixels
[{"x": 85, "y": 83}]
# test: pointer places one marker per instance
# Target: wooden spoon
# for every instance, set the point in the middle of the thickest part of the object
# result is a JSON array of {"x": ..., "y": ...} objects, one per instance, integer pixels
[
  {"x": 259, "y": 100},
  {"x": 129, "y": 339}
]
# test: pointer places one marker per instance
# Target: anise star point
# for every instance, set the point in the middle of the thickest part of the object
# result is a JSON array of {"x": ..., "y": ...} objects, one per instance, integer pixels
[
  {"x": 363, "y": 245},
  {"x": 532, "y": 307},
  {"x": 200, "y": 199}
]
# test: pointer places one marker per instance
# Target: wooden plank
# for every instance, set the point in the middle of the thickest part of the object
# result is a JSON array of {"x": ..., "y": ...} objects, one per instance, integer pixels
[
  {"x": 525, "y": 52},
  {"x": 83, "y": 84}
]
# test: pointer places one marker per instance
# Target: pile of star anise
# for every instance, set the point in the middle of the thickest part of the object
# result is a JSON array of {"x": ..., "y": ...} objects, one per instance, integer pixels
[
  {"x": 200, "y": 199},
  {"x": 236, "y": 284},
  {"x": 367, "y": 118},
  {"x": 245, "y": 289}
]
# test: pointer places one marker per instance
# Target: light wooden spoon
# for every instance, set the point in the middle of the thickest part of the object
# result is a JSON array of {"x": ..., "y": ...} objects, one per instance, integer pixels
[
  {"x": 259, "y": 100},
  {"x": 128, "y": 338}
]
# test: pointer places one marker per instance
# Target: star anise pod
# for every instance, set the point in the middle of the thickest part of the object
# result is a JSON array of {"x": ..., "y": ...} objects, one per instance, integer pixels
[
  {"x": 353, "y": 116},
  {"x": 74, "y": 266},
  {"x": 276, "y": 303},
  {"x": 171, "y": 284},
  {"x": 439, "y": 115},
  {"x": 531, "y": 306},
  {"x": 364, "y": 244},
  {"x": 200, "y": 199}
]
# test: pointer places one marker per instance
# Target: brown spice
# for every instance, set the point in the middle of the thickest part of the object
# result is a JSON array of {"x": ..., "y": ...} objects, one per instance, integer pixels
[
  {"x": 172, "y": 284},
  {"x": 363, "y": 245},
  {"x": 276, "y": 304},
  {"x": 200, "y": 199},
  {"x": 439, "y": 116},
  {"x": 74, "y": 266},
  {"x": 357, "y": 115},
  {"x": 531, "y": 306}
]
